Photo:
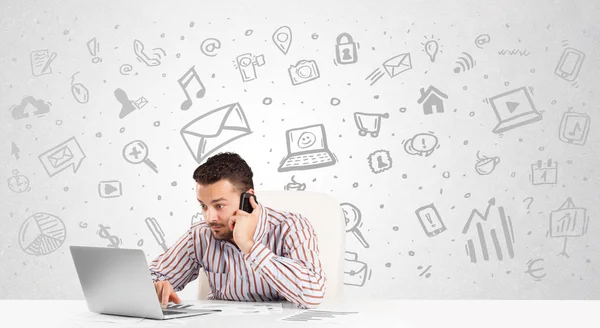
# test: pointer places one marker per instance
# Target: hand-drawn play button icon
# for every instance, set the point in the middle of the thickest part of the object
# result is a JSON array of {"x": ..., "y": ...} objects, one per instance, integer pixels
[
  {"x": 512, "y": 106},
  {"x": 110, "y": 189},
  {"x": 514, "y": 109}
]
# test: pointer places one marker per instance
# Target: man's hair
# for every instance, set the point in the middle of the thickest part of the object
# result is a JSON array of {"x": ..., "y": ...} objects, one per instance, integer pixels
[{"x": 227, "y": 165}]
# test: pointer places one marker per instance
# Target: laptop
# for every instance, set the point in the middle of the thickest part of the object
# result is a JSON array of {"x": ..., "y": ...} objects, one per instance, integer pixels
[
  {"x": 307, "y": 149},
  {"x": 514, "y": 109},
  {"x": 117, "y": 281}
]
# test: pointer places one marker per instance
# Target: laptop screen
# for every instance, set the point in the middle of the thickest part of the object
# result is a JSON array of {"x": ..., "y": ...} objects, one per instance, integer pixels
[{"x": 310, "y": 138}]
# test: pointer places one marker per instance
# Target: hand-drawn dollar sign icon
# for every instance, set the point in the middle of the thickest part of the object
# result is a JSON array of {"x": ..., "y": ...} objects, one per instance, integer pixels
[{"x": 104, "y": 234}]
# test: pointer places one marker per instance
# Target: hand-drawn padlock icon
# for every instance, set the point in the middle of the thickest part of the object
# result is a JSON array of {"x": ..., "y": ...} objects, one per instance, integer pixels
[{"x": 346, "y": 52}]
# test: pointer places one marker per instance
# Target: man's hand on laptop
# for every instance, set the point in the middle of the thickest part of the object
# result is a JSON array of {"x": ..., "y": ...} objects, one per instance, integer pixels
[{"x": 166, "y": 293}]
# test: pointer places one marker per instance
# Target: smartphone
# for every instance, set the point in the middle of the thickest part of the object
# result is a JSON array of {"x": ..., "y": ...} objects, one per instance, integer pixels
[
  {"x": 569, "y": 64},
  {"x": 245, "y": 202},
  {"x": 430, "y": 220}
]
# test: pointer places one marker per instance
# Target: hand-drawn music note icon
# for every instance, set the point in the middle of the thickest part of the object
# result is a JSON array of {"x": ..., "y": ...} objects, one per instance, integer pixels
[
  {"x": 185, "y": 81},
  {"x": 574, "y": 128}
]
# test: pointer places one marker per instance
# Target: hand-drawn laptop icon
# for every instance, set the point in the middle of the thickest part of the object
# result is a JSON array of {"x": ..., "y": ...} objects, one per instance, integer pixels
[
  {"x": 514, "y": 109},
  {"x": 307, "y": 149}
]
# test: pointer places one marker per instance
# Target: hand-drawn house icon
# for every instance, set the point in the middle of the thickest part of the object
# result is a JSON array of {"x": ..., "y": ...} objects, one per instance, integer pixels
[{"x": 432, "y": 99}]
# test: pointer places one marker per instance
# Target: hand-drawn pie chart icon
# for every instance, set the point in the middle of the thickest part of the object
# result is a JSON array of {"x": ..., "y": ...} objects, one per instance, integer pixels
[{"x": 42, "y": 234}]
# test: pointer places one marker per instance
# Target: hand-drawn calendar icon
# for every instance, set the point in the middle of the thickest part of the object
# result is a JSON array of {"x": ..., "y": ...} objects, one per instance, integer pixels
[
  {"x": 574, "y": 128},
  {"x": 544, "y": 173}
]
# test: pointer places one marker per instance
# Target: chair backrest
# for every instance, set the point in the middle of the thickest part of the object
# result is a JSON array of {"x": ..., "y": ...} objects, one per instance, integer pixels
[{"x": 327, "y": 218}]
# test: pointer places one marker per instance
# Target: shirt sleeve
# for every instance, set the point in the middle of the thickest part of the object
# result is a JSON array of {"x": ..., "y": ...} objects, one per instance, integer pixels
[
  {"x": 179, "y": 264},
  {"x": 297, "y": 275}
]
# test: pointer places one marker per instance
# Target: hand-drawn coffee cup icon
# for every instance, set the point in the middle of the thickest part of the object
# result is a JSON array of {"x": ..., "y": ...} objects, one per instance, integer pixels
[
  {"x": 346, "y": 50},
  {"x": 295, "y": 185},
  {"x": 18, "y": 183},
  {"x": 79, "y": 91},
  {"x": 303, "y": 71},
  {"x": 486, "y": 165}
]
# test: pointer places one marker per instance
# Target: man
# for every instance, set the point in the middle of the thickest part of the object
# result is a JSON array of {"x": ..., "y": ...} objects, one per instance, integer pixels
[{"x": 264, "y": 255}]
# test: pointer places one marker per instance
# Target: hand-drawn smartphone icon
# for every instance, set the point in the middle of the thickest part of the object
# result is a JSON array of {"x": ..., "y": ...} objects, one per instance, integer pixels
[
  {"x": 574, "y": 128},
  {"x": 430, "y": 220},
  {"x": 569, "y": 64}
]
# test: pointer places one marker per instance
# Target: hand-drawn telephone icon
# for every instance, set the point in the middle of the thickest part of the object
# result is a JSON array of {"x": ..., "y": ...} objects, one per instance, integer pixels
[
  {"x": 138, "y": 48},
  {"x": 346, "y": 50},
  {"x": 569, "y": 64},
  {"x": 574, "y": 128}
]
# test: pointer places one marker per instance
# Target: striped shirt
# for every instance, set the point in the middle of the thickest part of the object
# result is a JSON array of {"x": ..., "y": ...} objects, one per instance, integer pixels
[{"x": 283, "y": 264}]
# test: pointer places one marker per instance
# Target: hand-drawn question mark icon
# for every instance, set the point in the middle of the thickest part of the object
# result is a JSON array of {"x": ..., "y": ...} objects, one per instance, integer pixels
[{"x": 528, "y": 205}]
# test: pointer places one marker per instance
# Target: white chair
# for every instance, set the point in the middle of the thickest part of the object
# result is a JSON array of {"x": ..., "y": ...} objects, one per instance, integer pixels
[{"x": 327, "y": 218}]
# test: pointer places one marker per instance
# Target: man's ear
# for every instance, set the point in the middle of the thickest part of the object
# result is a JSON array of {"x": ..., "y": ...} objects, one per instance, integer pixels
[{"x": 251, "y": 191}]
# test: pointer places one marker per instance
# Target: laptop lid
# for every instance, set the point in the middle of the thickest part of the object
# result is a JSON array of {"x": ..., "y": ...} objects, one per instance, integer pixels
[
  {"x": 116, "y": 281},
  {"x": 308, "y": 139}
]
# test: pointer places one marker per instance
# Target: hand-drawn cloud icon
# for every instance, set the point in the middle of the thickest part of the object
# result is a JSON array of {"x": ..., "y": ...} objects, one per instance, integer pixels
[
  {"x": 514, "y": 109},
  {"x": 27, "y": 106},
  {"x": 60, "y": 157},
  {"x": 215, "y": 129},
  {"x": 42, "y": 234},
  {"x": 307, "y": 149},
  {"x": 422, "y": 144},
  {"x": 356, "y": 272}
]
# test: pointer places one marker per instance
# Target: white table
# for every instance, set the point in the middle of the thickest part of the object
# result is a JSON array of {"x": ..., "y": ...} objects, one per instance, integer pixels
[{"x": 372, "y": 313}]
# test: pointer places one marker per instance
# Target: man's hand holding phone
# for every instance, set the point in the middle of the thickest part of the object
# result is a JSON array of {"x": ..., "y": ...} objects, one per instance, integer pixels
[
  {"x": 166, "y": 293},
  {"x": 243, "y": 225}
]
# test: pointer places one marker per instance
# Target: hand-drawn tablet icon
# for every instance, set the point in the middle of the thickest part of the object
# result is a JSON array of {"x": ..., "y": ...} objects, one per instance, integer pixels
[
  {"x": 569, "y": 64},
  {"x": 574, "y": 128},
  {"x": 307, "y": 149}
]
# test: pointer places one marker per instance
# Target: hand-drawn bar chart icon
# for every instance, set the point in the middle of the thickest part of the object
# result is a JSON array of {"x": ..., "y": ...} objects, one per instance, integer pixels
[{"x": 568, "y": 221}]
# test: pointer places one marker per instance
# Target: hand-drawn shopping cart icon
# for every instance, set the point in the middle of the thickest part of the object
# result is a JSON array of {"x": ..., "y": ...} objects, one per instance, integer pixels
[{"x": 369, "y": 123}]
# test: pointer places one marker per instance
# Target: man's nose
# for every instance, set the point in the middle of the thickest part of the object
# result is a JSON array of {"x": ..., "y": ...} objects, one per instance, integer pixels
[{"x": 211, "y": 215}]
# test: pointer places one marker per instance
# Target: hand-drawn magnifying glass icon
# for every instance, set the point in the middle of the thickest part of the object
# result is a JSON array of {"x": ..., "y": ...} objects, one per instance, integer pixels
[
  {"x": 353, "y": 217},
  {"x": 136, "y": 152}
]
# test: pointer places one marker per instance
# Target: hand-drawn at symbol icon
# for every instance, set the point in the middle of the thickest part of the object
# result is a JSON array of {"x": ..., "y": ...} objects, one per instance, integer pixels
[
  {"x": 574, "y": 128},
  {"x": 27, "y": 106},
  {"x": 303, "y": 71},
  {"x": 18, "y": 183},
  {"x": 136, "y": 152},
  {"x": 369, "y": 123},
  {"x": 125, "y": 69},
  {"x": 79, "y": 91},
  {"x": 544, "y": 172},
  {"x": 353, "y": 219},
  {"x": 481, "y": 40},
  {"x": 346, "y": 50},
  {"x": 283, "y": 39},
  {"x": 432, "y": 100},
  {"x": 464, "y": 63},
  {"x": 93, "y": 47},
  {"x": 486, "y": 165},
  {"x": 209, "y": 47},
  {"x": 422, "y": 144},
  {"x": 532, "y": 272},
  {"x": 127, "y": 106},
  {"x": 393, "y": 67},
  {"x": 431, "y": 48},
  {"x": 157, "y": 232},
  {"x": 104, "y": 234},
  {"x": 529, "y": 204},
  {"x": 507, "y": 231},
  {"x": 307, "y": 149},
  {"x": 294, "y": 185},
  {"x": 569, "y": 64},
  {"x": 568, "y": 221},
  {"x": 14, "y": 150},
  {"x": 380, "y": 161},
  {"x": 42, "y": 234},
  {"x": 424, "y": 272},
  {"x": 110, "y": 189},
  {"x": 61, "y": 156},
  {"x": 246, "y": 64},
  {"x": 191, "y": 77},
  {"x": 41, "y": 61},
  {"x": 356, "y": 272},
  {"x": 514, "y": 109},
  {"x": 430, "y": 220},
  {"x": 83, "y": 225},
  {"x": 215, "y": 129},
  {"x": 143, "y": 57}
]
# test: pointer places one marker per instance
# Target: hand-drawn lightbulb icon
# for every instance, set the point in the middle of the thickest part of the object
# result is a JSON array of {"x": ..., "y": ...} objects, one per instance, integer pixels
[{"x": 431, "y": 49}]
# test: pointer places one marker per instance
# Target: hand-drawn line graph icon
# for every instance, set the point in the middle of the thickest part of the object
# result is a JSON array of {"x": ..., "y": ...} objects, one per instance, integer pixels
[
  {"x": 568, "y": 221},
  {"x": 481, "y": 238}
]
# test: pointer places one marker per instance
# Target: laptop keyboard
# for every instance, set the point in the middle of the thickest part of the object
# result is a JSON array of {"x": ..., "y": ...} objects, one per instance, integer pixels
[
  {"x": 168, "y": 312},
  {"x": 308, "y": 159}
]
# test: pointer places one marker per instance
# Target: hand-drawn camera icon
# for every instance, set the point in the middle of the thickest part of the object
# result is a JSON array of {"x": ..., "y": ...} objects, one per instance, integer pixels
[{"x": 303, "y": 71}]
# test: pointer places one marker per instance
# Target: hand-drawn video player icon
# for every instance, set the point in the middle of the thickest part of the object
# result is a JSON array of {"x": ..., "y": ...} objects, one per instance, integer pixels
[
  {"x": 307, "y": 149},
  {"x": 514, "y": 109},
  {"x": 110, "y": 189}
]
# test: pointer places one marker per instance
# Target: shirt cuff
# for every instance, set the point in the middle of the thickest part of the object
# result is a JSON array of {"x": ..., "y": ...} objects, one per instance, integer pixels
[{"x": 258, "y": 256}]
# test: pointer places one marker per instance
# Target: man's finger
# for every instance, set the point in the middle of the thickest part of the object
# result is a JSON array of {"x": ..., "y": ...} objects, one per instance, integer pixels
[
  {"x": 165, "y": 296},
  {"x": 175, "y": 298},
  {"x": 253, "y": 202},
  {"x": 232, "y": 222}
]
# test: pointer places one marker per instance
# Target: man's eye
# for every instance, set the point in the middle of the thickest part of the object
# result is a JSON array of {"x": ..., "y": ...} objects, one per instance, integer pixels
[{"x": 219, "y": 206}]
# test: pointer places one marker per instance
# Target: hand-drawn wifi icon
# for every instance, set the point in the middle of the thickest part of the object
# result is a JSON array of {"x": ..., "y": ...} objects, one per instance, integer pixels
[{"x": 464, "y": 63}]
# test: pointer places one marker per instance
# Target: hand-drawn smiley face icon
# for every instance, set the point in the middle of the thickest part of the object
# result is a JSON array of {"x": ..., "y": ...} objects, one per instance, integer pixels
[{"x": 306, "y": 140}]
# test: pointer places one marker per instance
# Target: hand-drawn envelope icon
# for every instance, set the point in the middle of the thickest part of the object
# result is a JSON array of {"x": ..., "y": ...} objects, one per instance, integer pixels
[
  {"x": 215, "y": 129},
  {"x": 398, "y": 64},
  {"x": 60, "y": 157},
  {"x": 355, "y": 272}
]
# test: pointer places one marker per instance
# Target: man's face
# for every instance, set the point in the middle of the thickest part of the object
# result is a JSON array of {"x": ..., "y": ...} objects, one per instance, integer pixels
[{"x": 218, "y": 201}]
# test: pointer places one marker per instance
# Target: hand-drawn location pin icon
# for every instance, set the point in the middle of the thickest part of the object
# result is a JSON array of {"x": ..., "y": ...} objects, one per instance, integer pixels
[{"x": 283, "y": 39}]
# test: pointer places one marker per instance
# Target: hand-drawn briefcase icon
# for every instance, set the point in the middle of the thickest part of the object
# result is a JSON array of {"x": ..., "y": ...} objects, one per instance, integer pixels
[
  {"x": 355, "y": 272},
  {"x": 346, "y": 49}
]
